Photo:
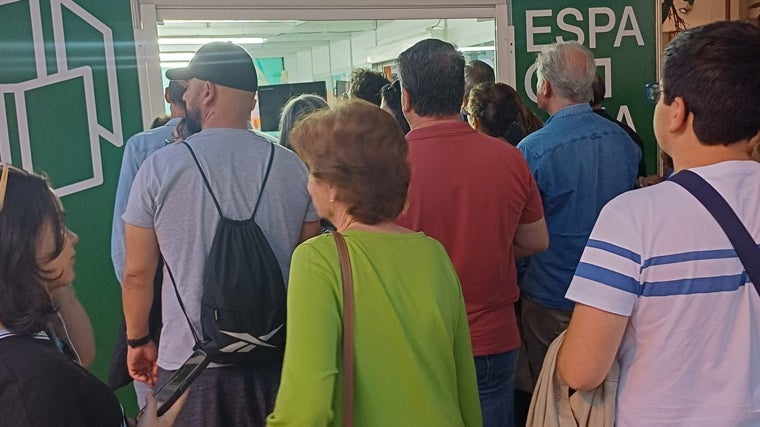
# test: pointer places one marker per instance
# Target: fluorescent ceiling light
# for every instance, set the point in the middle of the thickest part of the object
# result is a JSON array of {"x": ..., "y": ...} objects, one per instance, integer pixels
[
  {"x": 175, "y": 56},
  {"x": 476, "y": 48},
  {"x": 174, "y": 64},
  {"x": 204, "y": 40},
  {"x": 223, "y": 21}
]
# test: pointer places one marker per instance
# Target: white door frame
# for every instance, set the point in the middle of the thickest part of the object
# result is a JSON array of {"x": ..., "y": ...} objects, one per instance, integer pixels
[{"x": 146, "y": 29}]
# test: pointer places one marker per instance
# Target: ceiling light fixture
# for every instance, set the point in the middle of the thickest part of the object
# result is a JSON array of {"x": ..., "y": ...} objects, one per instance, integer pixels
[
  {"x": 175, "y": 56},
  {"x": 476, "y": 48},
  {"x": 204, "y": 40}
]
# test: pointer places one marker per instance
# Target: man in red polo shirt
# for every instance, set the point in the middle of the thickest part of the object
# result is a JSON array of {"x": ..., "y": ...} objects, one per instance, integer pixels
[{"x": 476, "y": 195}]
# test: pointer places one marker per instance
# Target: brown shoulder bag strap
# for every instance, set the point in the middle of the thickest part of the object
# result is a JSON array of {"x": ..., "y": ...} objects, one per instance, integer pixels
[{"x": 348, "y": 331}]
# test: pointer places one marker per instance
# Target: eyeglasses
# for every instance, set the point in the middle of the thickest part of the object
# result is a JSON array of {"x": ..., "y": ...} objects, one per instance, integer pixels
[
  {"x": 3, "y": 184},
  {"x": 652, "y": 92}
]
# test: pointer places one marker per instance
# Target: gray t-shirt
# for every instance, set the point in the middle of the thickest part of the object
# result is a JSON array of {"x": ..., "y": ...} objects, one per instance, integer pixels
[{"x": 168, "y": 195}]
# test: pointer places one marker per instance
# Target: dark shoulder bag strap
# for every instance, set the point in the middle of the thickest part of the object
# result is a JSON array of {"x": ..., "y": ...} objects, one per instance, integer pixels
[
  {"x": 196, "y": 337},
  {"x": 348, "y": 330},
  {"x": 266, "y": 178},
  {"x": 745, "y": 246},
  {"x": 205, "y": 180}
]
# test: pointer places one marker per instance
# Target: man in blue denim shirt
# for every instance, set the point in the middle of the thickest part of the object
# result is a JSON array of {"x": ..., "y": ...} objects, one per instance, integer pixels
[
  {"x": 138, "y": 148},
  {"x": 580, "y": 162}
]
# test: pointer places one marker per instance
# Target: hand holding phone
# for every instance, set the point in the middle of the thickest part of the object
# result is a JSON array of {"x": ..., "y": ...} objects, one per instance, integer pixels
[{"x": 176, "y": 385}]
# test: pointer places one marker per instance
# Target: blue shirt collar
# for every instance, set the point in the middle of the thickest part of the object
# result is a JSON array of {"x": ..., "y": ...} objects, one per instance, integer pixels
[{"x": 570, "y": 111}]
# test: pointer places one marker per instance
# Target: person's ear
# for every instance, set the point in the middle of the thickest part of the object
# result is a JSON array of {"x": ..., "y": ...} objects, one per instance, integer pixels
[
  {"x": 679, "y": 115},
  {"x": 332, "y": 191},
  {"x": 546, "y": 88},
  {"x": 406, "y": 102},
  {"x": 209, "y": 92},
  {"x": 253, "y": 104},
  {"x": 166, "y": 96},
  {"x": 473, "y": 121}
]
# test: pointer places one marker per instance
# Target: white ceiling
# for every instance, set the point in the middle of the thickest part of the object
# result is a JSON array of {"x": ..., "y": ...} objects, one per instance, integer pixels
[
  {"x": 290, "y": 37},
  {"x": 282, "y": 37}
]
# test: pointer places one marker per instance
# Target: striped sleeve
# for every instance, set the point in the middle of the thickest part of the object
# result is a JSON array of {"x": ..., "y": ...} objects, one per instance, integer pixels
[{"x": 608, "y": 274}]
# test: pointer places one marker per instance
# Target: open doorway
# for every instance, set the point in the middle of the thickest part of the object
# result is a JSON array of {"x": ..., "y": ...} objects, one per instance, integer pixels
[{"x": 322, "y": 53}]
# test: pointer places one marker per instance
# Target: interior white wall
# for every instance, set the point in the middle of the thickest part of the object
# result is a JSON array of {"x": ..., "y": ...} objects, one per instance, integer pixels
[
  {"x": 320, "y": 62},
  {"x": 360, "y": 43},
  {"x": 290, "y": 62},
  {"x": 381, "y": 45},
  {"x": 340, "y": 56},
  {"x": 472, "y": 32},
  {"x": 304, "y": 72}
]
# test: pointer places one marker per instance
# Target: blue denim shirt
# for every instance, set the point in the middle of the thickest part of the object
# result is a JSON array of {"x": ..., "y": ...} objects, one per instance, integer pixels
[
  {"x": 580, "y": 162},
  {"x": 136, "y": 150}
]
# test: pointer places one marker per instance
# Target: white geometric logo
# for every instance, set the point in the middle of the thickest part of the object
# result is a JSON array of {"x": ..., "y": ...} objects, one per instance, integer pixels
[
  {"x": 248, "y": 342},
  {"x": 63, "y": 74}
]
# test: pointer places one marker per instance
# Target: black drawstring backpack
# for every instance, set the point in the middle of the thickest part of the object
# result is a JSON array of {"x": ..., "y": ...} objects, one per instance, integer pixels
[{"x": 244, "y": 297}]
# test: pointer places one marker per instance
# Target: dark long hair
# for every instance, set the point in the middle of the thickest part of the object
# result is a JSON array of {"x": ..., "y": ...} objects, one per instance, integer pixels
[
  {"x": 29, "y": 203},
  {"x": 391, "y": 94}
]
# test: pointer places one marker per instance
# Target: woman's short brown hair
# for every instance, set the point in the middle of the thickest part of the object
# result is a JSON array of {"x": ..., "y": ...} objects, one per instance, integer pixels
[{"x": 361, "y": 150}]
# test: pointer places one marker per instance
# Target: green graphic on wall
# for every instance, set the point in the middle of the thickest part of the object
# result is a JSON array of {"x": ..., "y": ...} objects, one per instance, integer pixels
[
  {"x": 69, "y": 98},
  {"x": 622, "y": 36}
]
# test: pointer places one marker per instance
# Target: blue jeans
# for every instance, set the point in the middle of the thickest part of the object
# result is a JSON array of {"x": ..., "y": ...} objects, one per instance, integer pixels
[{"x": 496, "y": 387}]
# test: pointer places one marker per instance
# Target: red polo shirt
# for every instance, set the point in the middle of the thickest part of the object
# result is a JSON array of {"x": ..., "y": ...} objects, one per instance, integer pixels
[{"x": 470, "y": 192}]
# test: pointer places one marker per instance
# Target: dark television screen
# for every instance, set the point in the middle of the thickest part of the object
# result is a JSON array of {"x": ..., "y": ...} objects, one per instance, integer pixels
[{"x": 273, "y": 97}]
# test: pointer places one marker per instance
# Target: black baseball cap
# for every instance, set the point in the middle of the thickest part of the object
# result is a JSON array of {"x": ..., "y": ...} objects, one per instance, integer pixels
[{"x": 222, "y": 63}]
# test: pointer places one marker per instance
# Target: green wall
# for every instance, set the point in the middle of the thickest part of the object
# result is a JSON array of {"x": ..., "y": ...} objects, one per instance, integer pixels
[
  {"x": 622, "y": 35},
  {"x": 58, "y": 121}
]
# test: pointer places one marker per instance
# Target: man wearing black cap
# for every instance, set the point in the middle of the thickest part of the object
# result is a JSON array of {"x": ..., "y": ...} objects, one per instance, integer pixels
[{"x": 170, "y": 207}]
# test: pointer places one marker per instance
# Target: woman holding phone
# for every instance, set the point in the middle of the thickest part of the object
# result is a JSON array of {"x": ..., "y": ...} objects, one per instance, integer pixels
[
  {"x": 45, "y": 335},
  {"x": 412, "y": 355}
]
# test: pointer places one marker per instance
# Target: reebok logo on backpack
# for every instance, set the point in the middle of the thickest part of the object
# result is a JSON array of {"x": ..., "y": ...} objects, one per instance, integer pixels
[{"x": 243, "y": 307}]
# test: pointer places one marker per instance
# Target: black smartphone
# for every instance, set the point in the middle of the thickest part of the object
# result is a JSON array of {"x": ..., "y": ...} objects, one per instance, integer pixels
[{"x": 180, "y": 380}]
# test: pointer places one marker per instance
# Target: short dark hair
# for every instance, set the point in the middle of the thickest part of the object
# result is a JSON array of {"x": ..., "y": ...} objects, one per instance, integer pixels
[
  {"x": 25, "y": 306},
  {"x": 598, "y": 89},
  {"x": 176, "y": 91},
  {"x": 492, "y": 104},
  {"x": 182, "y": 131},
  {"x": 715, "y": 69},
  {"x": 366, "y": 84},
  {"x": 360, "y": 149},
  {"x": 296, "y": 109},
  {"x": 391, "y": 94},
  {"x": 432, "y": 73},
  {"x": 159, "y": 121},
  {"x": 477, "y": 71}
]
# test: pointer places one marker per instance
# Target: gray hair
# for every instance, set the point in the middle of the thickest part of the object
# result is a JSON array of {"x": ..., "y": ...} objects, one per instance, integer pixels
[
  {"x": 570, "y": 68},
  {"x": 296, "y": 109}
]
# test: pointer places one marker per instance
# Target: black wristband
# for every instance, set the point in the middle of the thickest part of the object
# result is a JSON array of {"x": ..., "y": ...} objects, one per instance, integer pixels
[{"x": 139, "y": 342}]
